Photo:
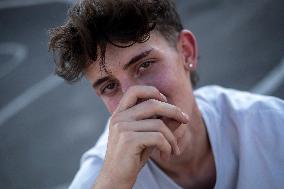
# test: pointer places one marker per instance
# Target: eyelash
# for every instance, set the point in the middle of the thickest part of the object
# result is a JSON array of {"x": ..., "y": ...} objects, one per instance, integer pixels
[
  {"x": 102, "y": 91},
  {"x": 149, "y": 62}
]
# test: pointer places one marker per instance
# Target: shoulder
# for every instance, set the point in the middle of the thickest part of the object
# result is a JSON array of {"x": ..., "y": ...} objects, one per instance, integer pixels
[
  {"x": 241, "y": 114},
  {"x": 242, "y": 117},
  {"x": 246, "y": 132},
  {"x": 240, "y": 102}
]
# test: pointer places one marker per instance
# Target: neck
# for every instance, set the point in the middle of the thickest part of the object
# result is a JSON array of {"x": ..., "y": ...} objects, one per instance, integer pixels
[{"x": 195, "y": 167}]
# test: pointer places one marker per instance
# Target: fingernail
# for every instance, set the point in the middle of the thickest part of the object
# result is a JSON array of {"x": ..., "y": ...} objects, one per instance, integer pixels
[
  {"x": 164, "y": 97},
  {"x": 185, "y": 115}
]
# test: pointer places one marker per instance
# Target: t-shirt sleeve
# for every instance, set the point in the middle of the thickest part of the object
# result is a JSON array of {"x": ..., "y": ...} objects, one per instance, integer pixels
[{"x": 87, "y": 174}]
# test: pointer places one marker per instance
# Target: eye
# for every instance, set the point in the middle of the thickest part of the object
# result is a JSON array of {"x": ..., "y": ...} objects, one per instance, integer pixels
[
  {"x": 109, "y": 88},
  {"x": 144, "y": 66}
]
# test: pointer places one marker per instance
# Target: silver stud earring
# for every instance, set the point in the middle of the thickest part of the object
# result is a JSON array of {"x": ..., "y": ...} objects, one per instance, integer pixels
[{"x": 190, "y": 65}]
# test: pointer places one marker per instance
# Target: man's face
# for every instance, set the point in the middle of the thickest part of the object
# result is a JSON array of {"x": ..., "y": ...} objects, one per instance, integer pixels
[{"x": 153, "y": 63}]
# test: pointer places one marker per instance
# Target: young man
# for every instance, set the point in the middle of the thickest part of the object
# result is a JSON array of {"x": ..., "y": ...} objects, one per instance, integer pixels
[{"x": 161, "y": 135}]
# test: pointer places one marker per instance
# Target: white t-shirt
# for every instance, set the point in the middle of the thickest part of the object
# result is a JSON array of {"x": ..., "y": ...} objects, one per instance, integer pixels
[{"x": 246, "y": 132}]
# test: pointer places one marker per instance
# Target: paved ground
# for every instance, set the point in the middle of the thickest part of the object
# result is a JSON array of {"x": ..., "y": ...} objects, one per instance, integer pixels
[{"x": 45, "y": 124}]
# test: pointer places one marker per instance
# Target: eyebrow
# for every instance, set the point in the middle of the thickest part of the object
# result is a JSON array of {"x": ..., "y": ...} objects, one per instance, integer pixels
[
  {"x": 100, "y": 81},
  {"x": 137, "y": 58},
  {"x": 130, "y": 62}
]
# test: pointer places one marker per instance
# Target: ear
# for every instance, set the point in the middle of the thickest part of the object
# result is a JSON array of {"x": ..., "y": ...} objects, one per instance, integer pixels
[{"x": 188, "y": 49}]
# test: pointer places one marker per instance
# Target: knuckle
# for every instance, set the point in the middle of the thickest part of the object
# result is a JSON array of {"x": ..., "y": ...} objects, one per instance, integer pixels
[
  {"x": 152, "y": 102},
  {"x": 160, "y": 137},
  {"x": 113, "y": 119},
  {"x": 163, "y": 142},
  {"x": 118, "y": 127},
  {"x": 126, "y": 137},
  {"x": 177, "y": 111},
  {"x": 160, "y": 125}
]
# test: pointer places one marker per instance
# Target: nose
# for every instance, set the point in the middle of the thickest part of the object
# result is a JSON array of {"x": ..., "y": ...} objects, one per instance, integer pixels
[{"x": 126, "y": 83}]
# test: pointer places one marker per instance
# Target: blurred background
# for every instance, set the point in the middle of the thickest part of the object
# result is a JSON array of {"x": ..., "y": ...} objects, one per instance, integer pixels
[{"x": 46, "y": 124}]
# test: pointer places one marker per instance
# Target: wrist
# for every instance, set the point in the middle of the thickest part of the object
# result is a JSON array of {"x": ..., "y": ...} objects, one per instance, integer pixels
[{"x": 108, "y": 180}]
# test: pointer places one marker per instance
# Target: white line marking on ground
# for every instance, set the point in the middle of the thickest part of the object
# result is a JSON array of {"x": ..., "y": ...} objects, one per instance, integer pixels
[
  {"x": 272, "y": 81},
  {"x": 36, "y": 90},
  {"x": 18, "y": 53},
  {"x": 27, "y": 97}
]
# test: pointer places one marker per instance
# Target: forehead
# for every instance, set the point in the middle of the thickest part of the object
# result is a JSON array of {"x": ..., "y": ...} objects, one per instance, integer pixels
[{"x": 116, "y": 57}]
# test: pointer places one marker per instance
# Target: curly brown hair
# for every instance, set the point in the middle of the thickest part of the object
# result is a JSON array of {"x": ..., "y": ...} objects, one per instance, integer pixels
[{"x": 91, "y": 24}]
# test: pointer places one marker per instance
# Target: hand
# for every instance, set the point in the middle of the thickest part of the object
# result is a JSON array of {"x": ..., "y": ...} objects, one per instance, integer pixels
[{"x": 134, "y": 133}]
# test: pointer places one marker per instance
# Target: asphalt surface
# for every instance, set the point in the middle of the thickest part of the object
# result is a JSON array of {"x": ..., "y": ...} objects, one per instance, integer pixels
[{"x": 46, "y": 124}]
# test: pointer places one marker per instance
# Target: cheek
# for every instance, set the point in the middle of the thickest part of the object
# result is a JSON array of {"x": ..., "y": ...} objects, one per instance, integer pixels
[
  {"x": 164, "y": 81},
  {"x": 111, "y": 103}
]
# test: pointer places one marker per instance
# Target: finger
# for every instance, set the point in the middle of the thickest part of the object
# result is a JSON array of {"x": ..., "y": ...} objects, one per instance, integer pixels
[
  {"x": 153, "y": 139},
  {"x": 152, "y": 125},
  {"x": 151, "y": 108},
  {"x": 179, "y": 133},
  {"x": 134, "y": 93},
  {"x": 146, "y": 154}
]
